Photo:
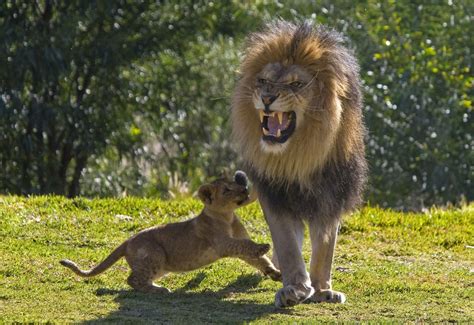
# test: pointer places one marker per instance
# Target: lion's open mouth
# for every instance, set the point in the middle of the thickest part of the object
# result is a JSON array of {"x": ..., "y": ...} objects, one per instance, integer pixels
[{"x": 277, "y": 127}]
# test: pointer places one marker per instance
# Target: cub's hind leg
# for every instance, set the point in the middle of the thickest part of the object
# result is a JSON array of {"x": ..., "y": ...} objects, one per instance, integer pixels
[
  {"x": 142, "y": 280},
  {"x": 146, "y": 265}
]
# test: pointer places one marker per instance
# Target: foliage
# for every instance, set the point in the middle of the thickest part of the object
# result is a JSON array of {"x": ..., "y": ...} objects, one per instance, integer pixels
[
  {"x": 394, "y": 267},
  {"x": 116, "y": 98},
  {"x": 66, "y": 94},
  {"x": 59, "y": 85},
  {"x": 419, "y": 82}
]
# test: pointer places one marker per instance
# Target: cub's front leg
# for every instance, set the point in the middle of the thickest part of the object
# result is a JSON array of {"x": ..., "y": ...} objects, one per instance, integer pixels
[
  {"x": 262, "y": 263},
  {"x": 241, "y": 248}
]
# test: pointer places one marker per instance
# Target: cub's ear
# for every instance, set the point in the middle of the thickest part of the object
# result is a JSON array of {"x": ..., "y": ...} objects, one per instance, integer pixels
[{"x": 206, "y": 193}]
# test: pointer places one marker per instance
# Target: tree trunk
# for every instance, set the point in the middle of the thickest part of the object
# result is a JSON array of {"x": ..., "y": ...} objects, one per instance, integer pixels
[{"x": 74, "y": 187}]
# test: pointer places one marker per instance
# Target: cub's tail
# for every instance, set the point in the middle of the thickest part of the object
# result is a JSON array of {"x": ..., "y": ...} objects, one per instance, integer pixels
[{"x": 104, "y": 265}]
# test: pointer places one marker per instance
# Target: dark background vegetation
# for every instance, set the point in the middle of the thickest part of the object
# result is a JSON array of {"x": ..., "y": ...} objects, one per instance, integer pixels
[{"x": 106, "y": 98}]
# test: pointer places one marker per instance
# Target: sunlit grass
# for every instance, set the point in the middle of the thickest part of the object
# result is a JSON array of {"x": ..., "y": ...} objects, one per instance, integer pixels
[{"x": 401, "y": 267}]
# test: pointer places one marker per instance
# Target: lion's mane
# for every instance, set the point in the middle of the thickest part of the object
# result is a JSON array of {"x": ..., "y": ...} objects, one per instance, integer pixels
[{"x": 330, "y": 139}]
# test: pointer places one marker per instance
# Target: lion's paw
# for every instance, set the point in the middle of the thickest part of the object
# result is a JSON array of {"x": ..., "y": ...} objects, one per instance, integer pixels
[
  {"x": 330, "y": 296},
  {"x": 292, "y": 295}
]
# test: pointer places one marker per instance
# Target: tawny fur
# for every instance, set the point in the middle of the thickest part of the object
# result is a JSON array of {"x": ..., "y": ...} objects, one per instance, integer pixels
[
  {"x": 317, "y": 170},
  {"x": 178, "y": 247}
]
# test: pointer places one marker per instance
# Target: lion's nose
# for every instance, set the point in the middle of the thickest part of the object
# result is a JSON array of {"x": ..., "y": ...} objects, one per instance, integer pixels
[{"x": 269, "y": 99}]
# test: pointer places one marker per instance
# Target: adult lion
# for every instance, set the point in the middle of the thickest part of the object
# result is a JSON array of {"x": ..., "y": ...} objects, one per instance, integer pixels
[{"x": 297, "y": 123}]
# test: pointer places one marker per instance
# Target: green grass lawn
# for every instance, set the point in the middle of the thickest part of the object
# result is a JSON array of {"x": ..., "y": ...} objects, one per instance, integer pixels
[{"x": 400, "y": 267}]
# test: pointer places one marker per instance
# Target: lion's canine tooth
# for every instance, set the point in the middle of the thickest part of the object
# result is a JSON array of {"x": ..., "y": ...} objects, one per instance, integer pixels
[
  {"x": 265, "y": 131},
  {"x": 279, "y": 132},
  {"x": 280, "y": 117},
  {"x": 260, "y": 112}
]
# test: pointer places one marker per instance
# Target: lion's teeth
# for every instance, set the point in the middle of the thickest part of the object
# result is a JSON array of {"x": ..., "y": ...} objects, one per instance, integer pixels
[
  {"x": 280, "y": 117},
  {"x": 279, "y": 133},
  {"x": 265, "y": 131},
  {"x": 260, "y": 112}
]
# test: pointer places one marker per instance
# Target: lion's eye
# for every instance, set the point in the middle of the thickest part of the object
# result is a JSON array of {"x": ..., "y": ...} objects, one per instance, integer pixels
[
  {"x": 296, "y": 84},
  {"x": 262, "y": 81},
  {"x": 226, "y": 190}
]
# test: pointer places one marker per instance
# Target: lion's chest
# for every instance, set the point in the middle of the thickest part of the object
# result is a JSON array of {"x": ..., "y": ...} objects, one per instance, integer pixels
[{"x": 334, "y": 190}]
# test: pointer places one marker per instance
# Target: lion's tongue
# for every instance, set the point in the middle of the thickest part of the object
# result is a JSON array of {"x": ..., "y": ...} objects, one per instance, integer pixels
[{"x": 274, "y": 125}]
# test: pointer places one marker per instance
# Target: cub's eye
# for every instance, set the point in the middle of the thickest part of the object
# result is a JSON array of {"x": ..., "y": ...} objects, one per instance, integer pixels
[
  {"x": 226, "y": 190},
  {"x": 296, "y": 84},
  {"x": 262, "y": 81}
]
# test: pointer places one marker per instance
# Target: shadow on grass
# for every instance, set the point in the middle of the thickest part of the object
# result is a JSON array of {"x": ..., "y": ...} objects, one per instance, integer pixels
[{"x": 182, "y": 306}]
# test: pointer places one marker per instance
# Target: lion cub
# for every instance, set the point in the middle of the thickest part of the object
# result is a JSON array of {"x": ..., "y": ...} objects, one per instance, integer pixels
[{"x": 178, "y": 247}]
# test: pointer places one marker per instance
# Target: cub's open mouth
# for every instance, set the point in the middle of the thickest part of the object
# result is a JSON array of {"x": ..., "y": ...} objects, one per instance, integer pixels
[{"x": 277, "y": 127}]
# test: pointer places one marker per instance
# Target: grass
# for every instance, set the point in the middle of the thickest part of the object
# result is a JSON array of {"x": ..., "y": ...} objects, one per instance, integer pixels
[{"x": 394, "y": 267}]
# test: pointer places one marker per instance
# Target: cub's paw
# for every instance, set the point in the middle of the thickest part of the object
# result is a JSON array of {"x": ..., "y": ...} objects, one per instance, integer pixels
[
  {"x": 292, "y": 295},
  {"x": 273, "y": 273},
  {"x": 261, "y": 249},
  {"x": 331, "y": 296}
]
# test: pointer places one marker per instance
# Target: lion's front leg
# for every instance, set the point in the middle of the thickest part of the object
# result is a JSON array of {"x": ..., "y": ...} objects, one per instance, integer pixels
[
  {"x": 286, "y": 232},
  {"x": 323, "y": 242}
]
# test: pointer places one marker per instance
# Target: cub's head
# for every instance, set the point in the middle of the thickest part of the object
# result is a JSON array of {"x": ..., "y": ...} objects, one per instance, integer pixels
[
  {"x": 225, "y": 194},
  {"x": 297, "y": 103}
]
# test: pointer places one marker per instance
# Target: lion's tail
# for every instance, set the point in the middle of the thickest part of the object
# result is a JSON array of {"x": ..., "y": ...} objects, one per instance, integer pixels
[{"x": 104, "y": 265}]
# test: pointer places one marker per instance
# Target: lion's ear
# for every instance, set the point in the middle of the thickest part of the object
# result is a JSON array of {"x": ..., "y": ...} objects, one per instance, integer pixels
[{"x": 206, "y": 193}]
